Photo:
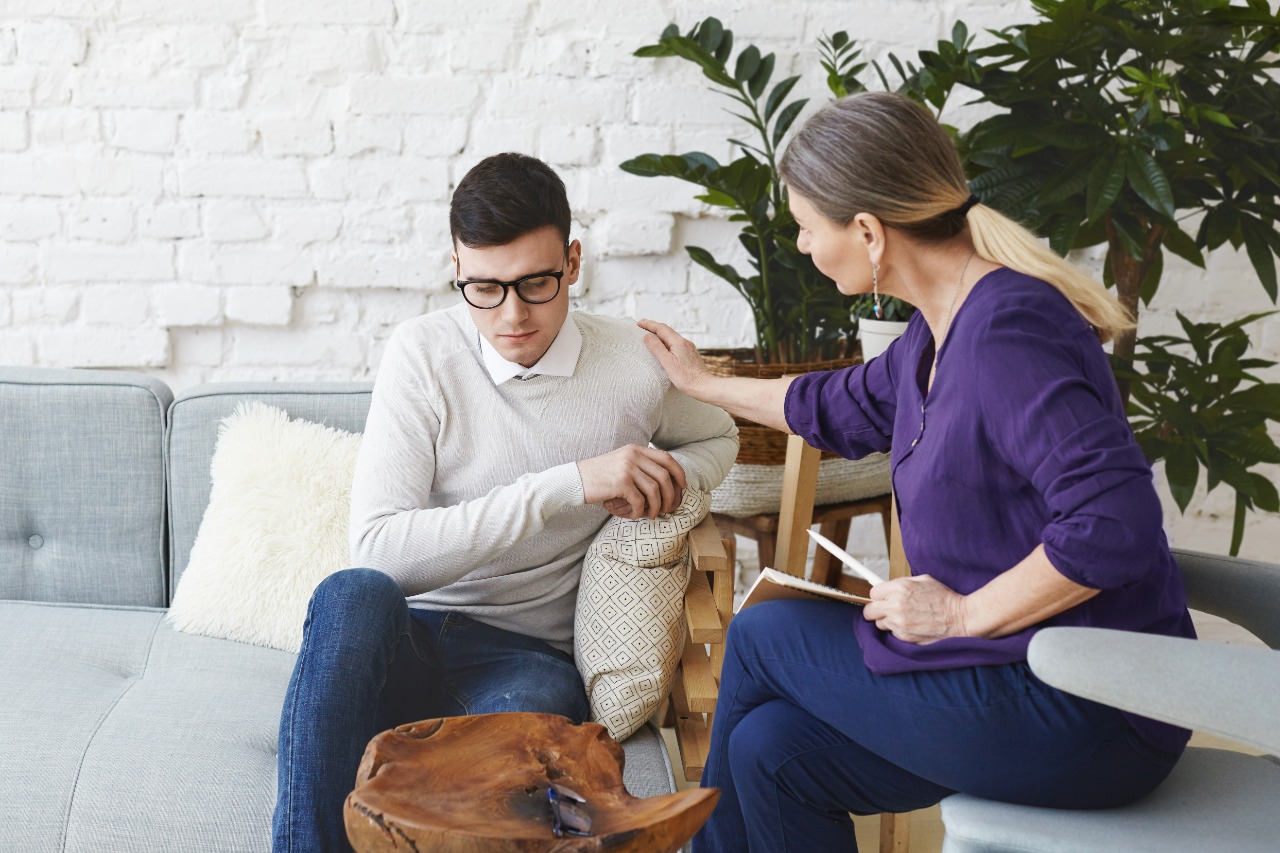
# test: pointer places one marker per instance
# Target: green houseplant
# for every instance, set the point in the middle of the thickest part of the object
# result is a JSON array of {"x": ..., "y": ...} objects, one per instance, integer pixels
[
  {"x": 1119, "y": 121},
  {"x": 798, "y": 314}
]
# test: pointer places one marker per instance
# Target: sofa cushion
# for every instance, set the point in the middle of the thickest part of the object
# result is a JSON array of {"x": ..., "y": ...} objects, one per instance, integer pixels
[
  {"x": 82, "y": 498},
  {"x": 275, "y": 527},
  {"x": 193, "y": 435},
  {"x": 131, "y": 736},
  {"x": 119, "y": 733}
]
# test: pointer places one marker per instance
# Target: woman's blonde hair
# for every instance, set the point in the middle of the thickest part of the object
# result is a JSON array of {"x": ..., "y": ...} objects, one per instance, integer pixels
[{"x": 884, "y": 154}]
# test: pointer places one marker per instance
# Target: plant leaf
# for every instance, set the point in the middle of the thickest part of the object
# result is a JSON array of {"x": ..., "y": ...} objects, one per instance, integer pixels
[
  {"x": 1183, "y": 471},
  {"x": 1149, "y": 182},
  {"x": 785, "y": 118},
  {"x": 779, "y": 93},
  {"x": 1104, "y": 186},
  {"x": 748, "y": 63}
]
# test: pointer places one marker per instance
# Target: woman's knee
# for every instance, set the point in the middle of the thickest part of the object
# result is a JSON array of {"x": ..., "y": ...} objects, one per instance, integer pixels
[{"x": 757, "y": 743}]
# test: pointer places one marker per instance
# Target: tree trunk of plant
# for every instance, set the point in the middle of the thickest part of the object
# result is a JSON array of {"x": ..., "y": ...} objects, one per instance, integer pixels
[{"x": 1129, "y": 273}]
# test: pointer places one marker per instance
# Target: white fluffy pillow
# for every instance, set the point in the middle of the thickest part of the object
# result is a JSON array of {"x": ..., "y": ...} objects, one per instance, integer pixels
[
  {"x": 628, "y": 631},
  {"x": 276, "y": 525}
]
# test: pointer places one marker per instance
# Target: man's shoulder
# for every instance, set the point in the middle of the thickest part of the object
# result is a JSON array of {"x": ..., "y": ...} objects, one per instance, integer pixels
[
  {"x": 438, "y": 331},
  {"x": 425, "y": 345},
  {"x": 618, "y": 333},
  {"x": 617, "y": 343}
]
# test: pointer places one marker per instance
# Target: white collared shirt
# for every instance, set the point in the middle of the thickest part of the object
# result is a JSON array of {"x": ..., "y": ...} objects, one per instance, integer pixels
[{"x": 559, "y": 360}]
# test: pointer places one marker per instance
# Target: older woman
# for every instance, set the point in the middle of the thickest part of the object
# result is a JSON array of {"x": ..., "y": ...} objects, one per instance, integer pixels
[{"x": 1024, "y": 502}]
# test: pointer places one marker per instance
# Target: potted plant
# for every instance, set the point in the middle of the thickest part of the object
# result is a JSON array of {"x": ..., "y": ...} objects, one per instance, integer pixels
[
  {"x": 802, "y": 322},
  {"x": 1118, "y": 121}
]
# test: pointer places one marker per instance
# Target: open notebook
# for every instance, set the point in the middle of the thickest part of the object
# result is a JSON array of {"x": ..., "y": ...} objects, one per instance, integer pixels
[{"x": 773, "y": 584}]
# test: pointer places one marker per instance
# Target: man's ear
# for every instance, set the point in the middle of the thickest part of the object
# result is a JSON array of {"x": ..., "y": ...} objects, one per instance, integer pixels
[{"x": 573, "y": 263}]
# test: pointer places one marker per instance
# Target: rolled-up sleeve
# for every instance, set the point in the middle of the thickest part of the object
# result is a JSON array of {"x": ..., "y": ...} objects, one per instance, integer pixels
[
  {"x": 848, "y": 411},
  {"x": 1039, "y": 380}
]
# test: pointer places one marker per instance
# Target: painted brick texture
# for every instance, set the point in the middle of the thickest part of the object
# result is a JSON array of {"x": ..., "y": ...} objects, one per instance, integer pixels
[{"x": 258, "y": 188}]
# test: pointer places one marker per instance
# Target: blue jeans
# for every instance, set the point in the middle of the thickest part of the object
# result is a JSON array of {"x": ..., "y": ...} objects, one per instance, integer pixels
[
  {"x": 369, "y": 663},
  {"x": 805, "y": 734}
]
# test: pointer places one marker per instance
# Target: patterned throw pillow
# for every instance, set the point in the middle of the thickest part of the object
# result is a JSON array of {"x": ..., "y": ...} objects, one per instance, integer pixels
[{"x": 629, "y": 627}]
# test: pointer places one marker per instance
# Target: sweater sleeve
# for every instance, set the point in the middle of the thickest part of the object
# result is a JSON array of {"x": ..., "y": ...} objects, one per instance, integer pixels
[
  {"x": 702, "y": 438},
  {"x": 394, "y": 529},
  {"x": 848, "y": 411},
  {"x": 1050, "y": 408}
]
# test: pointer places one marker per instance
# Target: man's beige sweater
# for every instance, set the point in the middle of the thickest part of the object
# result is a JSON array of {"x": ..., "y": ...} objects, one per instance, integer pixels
[{"x": 468, "y": 493}]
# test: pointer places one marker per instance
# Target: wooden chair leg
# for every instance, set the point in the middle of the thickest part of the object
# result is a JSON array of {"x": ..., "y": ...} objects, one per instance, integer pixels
[
  {"x": 767, "y": 550},
  {"x": 826, "y": 569},
  {"x": 895, "y": 833}
]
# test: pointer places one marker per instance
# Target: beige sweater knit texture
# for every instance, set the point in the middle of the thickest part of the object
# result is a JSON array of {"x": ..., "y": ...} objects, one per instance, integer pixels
[{"x": 467, "y": 493}]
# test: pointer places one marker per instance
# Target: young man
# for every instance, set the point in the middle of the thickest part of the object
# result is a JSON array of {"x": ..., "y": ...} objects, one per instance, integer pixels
[{"x": 502, "y": 433}]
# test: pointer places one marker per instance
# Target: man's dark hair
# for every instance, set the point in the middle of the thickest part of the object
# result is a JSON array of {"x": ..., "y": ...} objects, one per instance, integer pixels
[{"x": 504, "y": 197}]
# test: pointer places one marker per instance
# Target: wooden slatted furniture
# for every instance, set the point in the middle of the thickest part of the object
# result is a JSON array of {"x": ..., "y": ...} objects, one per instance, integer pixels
[
  {"x": 800, "y": 483},
  {"x": 708, "y": 609}
]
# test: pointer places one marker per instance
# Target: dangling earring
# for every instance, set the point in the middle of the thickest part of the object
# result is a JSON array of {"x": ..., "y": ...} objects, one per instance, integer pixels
[{"x": 875, "y": 291}]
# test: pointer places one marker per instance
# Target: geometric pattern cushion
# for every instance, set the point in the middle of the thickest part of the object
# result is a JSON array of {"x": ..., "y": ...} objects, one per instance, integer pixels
[{"x": 629, "y": 626}]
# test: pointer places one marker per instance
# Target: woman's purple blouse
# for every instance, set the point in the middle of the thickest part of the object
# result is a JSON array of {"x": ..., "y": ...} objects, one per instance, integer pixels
[{"x": 1021, "y": 441}]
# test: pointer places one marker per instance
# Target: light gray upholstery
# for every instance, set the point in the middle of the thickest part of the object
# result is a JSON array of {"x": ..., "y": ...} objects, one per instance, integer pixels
[
  {"x": 132, "y": 736},
  {"x": 1244, "y": 592},
  {"x": 82, "y": 486},
  {"x": 118, "y": 733},
  {"x": 193, "y": 435},
  {"x": 127, "y": 735},
  {"x": 1213, "y": 798},
  {"x": 1228, "y": 691}
]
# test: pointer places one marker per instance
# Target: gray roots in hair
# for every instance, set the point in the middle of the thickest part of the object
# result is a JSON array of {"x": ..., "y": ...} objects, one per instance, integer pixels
[
  {"x": 885, "y": 155},
  {"x": 881, "y": 154}
]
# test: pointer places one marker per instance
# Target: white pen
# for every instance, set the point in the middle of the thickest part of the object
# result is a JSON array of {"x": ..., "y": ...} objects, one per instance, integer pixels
[{"x": 863, "y": 572}]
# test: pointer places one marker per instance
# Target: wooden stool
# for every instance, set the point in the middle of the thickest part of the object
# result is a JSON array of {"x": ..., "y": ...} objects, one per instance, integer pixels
[
  {"x": 470, "y": 784},
  {"x": 833, "y": 520}
]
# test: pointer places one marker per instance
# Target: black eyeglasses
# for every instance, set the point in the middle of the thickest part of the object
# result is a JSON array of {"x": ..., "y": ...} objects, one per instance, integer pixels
[
  {"x": 566, "y": 816},
  {"x": 490, "y": 293}
]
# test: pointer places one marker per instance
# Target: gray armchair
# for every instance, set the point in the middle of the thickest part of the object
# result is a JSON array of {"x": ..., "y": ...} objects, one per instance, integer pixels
[{"x": 1214, "y": 799}]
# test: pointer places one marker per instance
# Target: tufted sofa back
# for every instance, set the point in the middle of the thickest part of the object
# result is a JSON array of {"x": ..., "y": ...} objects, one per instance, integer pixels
[
  {"x": 82, "y": 486},
  {"x": 193, "y": 436}
]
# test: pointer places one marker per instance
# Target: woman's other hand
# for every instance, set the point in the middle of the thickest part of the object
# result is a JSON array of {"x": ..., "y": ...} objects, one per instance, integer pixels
[
  {"x": 917, "y": 610},
  {"x": 677, "y": 355}
]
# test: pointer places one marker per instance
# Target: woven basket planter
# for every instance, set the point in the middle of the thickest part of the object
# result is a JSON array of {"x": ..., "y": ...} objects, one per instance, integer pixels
[{"x": 754, "y": 484}]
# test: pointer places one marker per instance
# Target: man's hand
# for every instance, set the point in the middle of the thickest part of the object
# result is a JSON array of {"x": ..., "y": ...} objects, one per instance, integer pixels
[
  {"x": 677, "y": 355},
  {"x": 634, "y": 481},
  {"x": 917, "y": 610}
]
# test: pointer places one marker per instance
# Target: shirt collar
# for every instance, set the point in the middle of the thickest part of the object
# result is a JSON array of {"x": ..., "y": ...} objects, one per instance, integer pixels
[{"x": 560, "y": 359}]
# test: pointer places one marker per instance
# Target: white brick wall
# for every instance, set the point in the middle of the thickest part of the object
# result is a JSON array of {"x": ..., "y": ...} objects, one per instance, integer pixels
[{"x": 258, "y": 188}]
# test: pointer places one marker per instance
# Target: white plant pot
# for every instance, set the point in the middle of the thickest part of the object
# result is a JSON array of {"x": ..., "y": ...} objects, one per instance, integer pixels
[{"x": 876, "y": 335}]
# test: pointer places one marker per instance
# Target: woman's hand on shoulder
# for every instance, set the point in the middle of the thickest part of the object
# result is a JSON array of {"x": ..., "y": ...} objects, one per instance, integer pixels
[
  {"x": 677, "y": 355},
  {"x": 917, "y": 610}
]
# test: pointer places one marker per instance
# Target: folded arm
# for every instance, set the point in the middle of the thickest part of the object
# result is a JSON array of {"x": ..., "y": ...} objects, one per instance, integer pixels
[{"x": 394, "y": 529}]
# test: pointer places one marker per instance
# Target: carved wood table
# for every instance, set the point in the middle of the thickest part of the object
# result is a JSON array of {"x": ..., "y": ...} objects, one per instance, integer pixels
[{"x": 470, "y": 784}]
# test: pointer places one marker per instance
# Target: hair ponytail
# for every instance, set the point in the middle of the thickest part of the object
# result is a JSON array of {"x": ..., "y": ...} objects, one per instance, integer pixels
[
  {"x": 884, "y": 154},
  {"x": 1000, "y": 240}
]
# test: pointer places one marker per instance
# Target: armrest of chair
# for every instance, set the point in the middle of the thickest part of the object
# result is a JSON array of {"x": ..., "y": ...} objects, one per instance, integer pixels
[
  {"x": 1230, "y": 691},
  {"x": 1241, "y": 591}
]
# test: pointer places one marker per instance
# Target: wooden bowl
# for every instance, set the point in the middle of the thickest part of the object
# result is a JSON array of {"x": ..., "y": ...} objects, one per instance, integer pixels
[{"x": 480, "y": 784}]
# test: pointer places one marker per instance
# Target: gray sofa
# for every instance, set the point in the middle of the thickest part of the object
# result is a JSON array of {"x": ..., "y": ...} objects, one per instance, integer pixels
[{"x": 118, "y": 733}]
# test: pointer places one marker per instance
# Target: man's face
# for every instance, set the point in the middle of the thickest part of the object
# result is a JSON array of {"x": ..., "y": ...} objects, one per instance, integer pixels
[{"x": 521, "y": 332}]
